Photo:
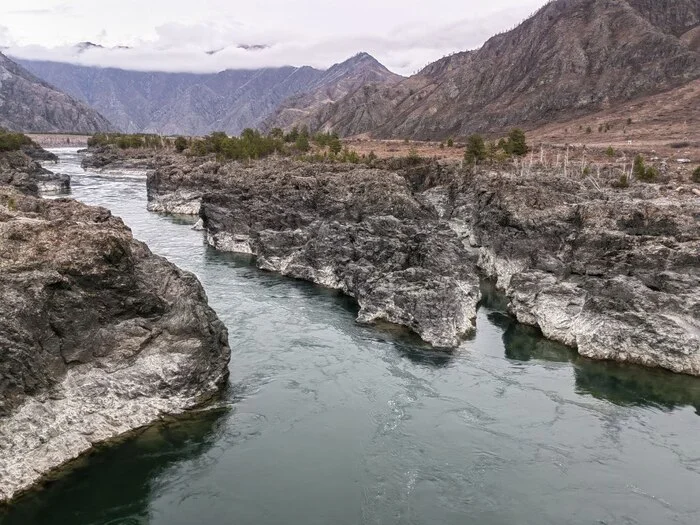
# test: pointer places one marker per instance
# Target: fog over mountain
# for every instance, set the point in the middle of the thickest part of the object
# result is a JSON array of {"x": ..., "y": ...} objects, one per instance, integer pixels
[{"x": 171, "y": 36}]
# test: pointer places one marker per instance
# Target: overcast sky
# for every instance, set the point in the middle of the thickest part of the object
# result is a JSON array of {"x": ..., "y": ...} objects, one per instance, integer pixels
[{"x": 175, "y": 35}]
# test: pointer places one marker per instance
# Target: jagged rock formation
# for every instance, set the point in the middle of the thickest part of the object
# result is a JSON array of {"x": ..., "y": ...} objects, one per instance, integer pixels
[
  {"x": 612, "y": 272},
  {"x": 28, "y": 104},
  {"x": 19, "y": 170},
  {"x": 337, "y": 82},
  {"x": 192, "y": 104},
  {"x": 357, "y": 230},
  {"x": 116, "y": 159},
  {"x": 99, "y": 336},
  {"x": 571, "y": 58}
]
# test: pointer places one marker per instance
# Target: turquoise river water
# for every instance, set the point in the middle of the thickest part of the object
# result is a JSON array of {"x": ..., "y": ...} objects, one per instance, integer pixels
[{"x": 326, "y": 421}]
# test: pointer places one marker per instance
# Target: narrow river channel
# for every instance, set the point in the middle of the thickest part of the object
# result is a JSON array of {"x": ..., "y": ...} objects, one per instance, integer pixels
[{"x": 330, "y": 422}]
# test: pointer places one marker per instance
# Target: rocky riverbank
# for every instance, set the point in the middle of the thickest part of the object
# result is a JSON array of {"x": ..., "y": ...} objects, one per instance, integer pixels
[
  {"x": 23, "y": 172},
  {"x": 99, "y": 336},
  {"x": 610, "y": 271},
  {"x": 113, "y": 158}
]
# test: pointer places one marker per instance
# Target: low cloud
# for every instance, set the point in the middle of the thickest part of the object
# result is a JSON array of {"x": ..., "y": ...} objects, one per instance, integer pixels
[
  {"x": 5, "y": 37},
  {"x": 206, "y": 47}
]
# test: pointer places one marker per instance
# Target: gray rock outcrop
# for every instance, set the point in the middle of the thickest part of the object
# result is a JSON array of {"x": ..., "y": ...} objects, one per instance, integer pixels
[
  {"x": 99, "y": 336},
  {"x": 358, "y": 230},
  {"x": 613, "y": 272},
  {"x": 22, "y": 172}
]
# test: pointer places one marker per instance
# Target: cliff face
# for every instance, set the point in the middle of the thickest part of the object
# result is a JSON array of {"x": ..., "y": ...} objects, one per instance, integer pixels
[
  {"x": 98, "y": 335},
  {"x": 572, "y": 57},
  {"x": 612, "y": 272},
  {"x": 28, "y": 104}
]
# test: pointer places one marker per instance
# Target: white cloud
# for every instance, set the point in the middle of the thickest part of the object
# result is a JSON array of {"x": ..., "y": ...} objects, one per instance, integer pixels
[
  {"x": 170, "y": 36},
  {"x": 5, "y": 37}
]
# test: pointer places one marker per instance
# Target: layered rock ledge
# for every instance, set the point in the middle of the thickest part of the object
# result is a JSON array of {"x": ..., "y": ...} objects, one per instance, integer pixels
[
  {"x": 614, "y": 272},
  {"x": 98, "y": 335},
  {"x": 115, "y": 159},
  {"x": 23, "y": 172}
]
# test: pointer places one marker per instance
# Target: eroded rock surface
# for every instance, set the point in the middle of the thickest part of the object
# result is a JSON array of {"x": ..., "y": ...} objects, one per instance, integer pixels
[
  {"x": 98, "y": 336},
  {"x": 613, "y": 272},
  {"x": 22, "y": 172},
  {"x": 358, "y": 230},
  {"x": 114, "y": 159}
]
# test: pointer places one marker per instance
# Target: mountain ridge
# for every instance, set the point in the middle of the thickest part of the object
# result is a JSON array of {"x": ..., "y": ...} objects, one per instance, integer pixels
[
  {"x": 571, "y": 57},
  {"x": 192, "y": 103},
  {"x": 30, "y": 104}
]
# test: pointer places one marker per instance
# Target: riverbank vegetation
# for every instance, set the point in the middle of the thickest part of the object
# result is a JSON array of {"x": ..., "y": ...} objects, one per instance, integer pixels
[{"x": 10, "y": 141}]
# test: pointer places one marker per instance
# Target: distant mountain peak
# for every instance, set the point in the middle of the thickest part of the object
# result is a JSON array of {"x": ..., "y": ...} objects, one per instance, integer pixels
[{"x": 84, "y": 46}]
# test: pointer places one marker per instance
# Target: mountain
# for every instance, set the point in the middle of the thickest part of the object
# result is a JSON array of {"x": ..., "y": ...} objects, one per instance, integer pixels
[
  {"x": 571, "y": 58},
  {"x": 197, "y": 104},
  {"x": 29, "y": 104},
  {"x": 337, "y": 82}
]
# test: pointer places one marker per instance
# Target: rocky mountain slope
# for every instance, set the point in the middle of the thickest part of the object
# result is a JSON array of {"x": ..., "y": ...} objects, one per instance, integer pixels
[
  {"x": 337, "y": 82},
  {"x": 572, "y": 57},
  {"x": 611, "y": 271},
  {"x": 29, "y": 104},
  {"x": 197, "y": 104},
  {"x": 99, "y": 336}
]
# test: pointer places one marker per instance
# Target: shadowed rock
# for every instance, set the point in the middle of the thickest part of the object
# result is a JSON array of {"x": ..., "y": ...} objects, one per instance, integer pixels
[{"x": 98, "y": 335}]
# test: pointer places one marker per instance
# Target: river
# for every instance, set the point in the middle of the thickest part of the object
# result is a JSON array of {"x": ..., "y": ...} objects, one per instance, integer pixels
[{"x": 327, "y": 421}]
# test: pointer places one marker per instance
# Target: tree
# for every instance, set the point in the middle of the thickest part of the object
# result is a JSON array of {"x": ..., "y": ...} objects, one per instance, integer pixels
[
  {"x": 276, "y": 133},
  {"x": 476, "y": 149},
  {"x": 302, "y": 143},
  {"x": 517, "y": 143},
  {"x": 450, "y": 143},
  {"x": 180, "y": 144},
  {"x": 335, "y": 145},
  {"x": 610, "y": 152}
]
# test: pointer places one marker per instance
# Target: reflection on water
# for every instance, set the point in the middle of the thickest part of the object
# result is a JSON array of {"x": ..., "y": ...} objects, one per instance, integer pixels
[
  {"x": 121, "y": 478},
  {"x": 619, "y": 383},
  {"x": 335, "y": 422}
]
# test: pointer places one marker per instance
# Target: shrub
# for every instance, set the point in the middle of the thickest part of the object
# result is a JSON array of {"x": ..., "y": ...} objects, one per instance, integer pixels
[
  {"x": 696, "y": 175},
  {"x": 450, "y": 143},
  {"x": 476, "y": 150},
  {"x": 180, "y": 144},
  {"x": 13, "y": 141},
  {"x": 126, "y": 141},
  {"x": 589, "y": 130},
  {"x": 302, "y": 143},
  {"x": 623, "y": 182},
  {"x": 413, "y": 157},
  {"x": 643, "y": 172},
  {"x": 250, "y": 145},
  {"x": 610, "y": 152}
]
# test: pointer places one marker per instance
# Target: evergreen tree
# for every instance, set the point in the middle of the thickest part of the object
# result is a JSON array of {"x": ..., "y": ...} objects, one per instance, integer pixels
[
  {"x": 476, "y": 150},
  {"x": 517, "y": 143}
]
